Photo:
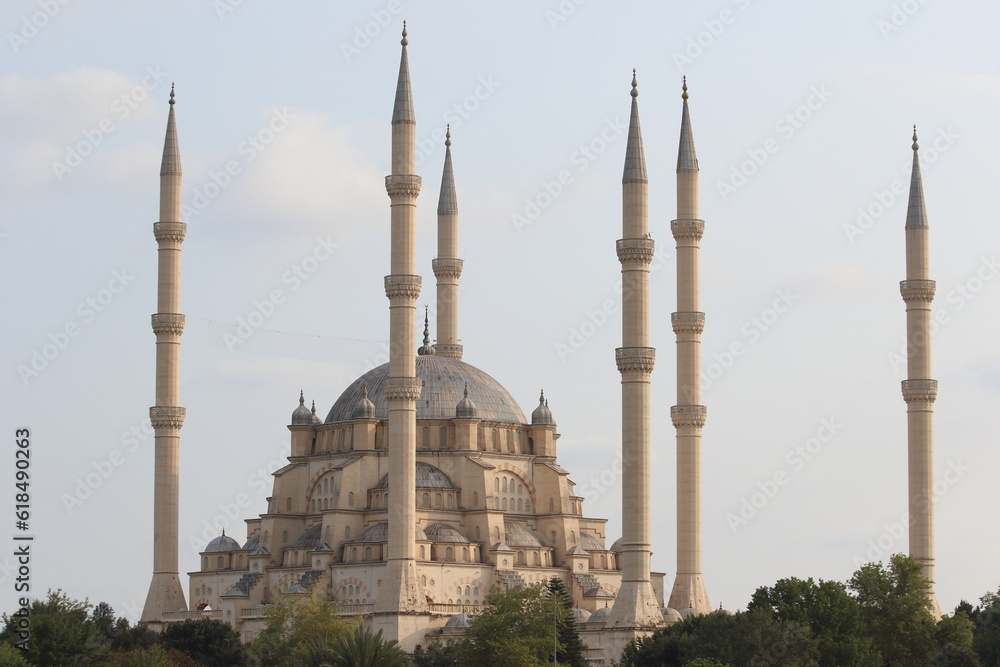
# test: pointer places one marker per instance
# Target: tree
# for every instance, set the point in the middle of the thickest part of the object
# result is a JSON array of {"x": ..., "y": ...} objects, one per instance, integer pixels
[
  {"x": 62, "y": 633},
  {"x": 833, "y": 616},
  {"x": 10, "y": 656},
  {"x": 436, "y": 655},
  {"x": 207, "y": 641},
  {"x": 896, "y": 610},
  {"x": 293, "y": 622},
  {"x": 985, "y": 627},
  {"x": 516, "y": 629},
  {"x": 571, "y": 648},
  {"x": 358, "y": 648}
]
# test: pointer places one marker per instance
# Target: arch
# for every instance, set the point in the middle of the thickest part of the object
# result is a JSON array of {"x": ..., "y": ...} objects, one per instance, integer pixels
[
  {"x": 295, "y": 558},
  {"x": 422, "y": 552},
  {"x": 531, "y": 445},
  {"x": 449, "y": 554},
  {"x": 496, "y": 532},
  {"x": 433, "y": 552},
  {"x": 475, "y": 499},
  {"x": 350, "y": 499},
  {"x": 425, "y": 500},
  {"x": 449, "y": 500},
  {"x": 340, "y": 440},
  {"x": 467, "y": 590},
  {"x": 288, "y": 504},
  {"x": 465, "y": 559},
  {"x": 504, "y": 485},
  {"x": 496, "y": 440},
  {"x": 520, "y": 489},
  {"x": 504, "y": 504},
  {"x": 480, "y": 439},
  {"x": 220, "y": 562},
  {"x": 496, "y": 484},
  {"x": 534, "y": 558},
  {"x": 520, "y": 558},
  {"x": 326, "y": 485},
  {"x": 572, "y": 537},
  {"x": 443, "y": 437},
  {"x": 520, "y": 505},
  {"x": 437, "y": 500},
  {"x": 284, "y": 537},
  {"x": 368, "y": 553},
  {"x": 604, "y": 562},
  {"x": 510, "y": 442},
  {"x": 425, "y": 437},
  {"x": 354, "y": 553},
  {"x": 347, "y": 532}
]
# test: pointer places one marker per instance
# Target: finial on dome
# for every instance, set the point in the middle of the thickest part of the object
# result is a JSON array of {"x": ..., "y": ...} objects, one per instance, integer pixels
[
  {"x": 364, "y": 389},
  {"x": 465, "y": 409},
  {"x": 302, "y": 397},
  {"x": 466, "y": 392},
  {"x": 426, "y": 348},
  {"x": 447, "y": 136},
  {"x": 301, "y": 415},
  {"x": 314, "y": 407},
  {"x": 364, "y": 409},
  {"x": 404, "y": 41},
  {"x": 171, "y": 93},
  {"x": 684, "y": 88},
  {"x": 635, "y": 84},
  {"x": 915, "y": 145},
  {"x": 223, "y": 532}
]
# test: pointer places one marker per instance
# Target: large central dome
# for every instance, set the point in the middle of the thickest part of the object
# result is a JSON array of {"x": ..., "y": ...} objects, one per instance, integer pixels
[{"x": 444, "y": 381}]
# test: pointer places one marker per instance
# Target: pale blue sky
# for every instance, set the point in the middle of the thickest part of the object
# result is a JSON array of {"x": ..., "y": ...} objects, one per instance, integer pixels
[{"x": 827, "y": 92}]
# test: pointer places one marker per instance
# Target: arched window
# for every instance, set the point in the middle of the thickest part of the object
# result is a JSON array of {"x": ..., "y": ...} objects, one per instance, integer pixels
[
  {"x": 347, "y": 532},
  {"x": 433, "y": 552},
  {"x": 520, "y": 558},
  {"x": 326, "y": 485},
  {"x": 552, "y": 534},
  {"x": 368, "y": 553},
  {"x": 284, "y": 537},
  {"x": 354, "y": 553},
  {"x": 350, "y": 499},
  {"x": 340, "y": 440},
  {"x": 520, "y": 489},
  {"x": 510, "y": 441},
  {"x": 288, "y": 504},
  {"x": 479, "y": 439},
  {"x": 496, "y": 533},
  {"x": 437, "y": 500},
  {"x": 220, "y": 562},
  {"x": 496, "y": 440},
  {"x": 520, "y": 506},
  {"x": 423, "y": 580},
  {"x": 496, "y": 484},
  {"x": 425, "y": 439},
  {"x": 534, "y": 558},
  {"x": 465, "y": 559},
  {"x": 326, "y": 534},
  {"x": 475, "y": 499},
  {"x": 604, "y": 562},
  {"x": 505, "y": 485},
  {"x": 295, "y": 558},
  {"x": 458, "y": 590},
  {"x": 443, "y": 437},
  {"x": 325, "y": 502},
  {"x": 425, "y": 500},
  {"x": 572, "y": 537},
  {"x": 422, "y": 552},
  {"x": 504, "y": 504},
  {"x": 468, "y": 591},
  {"x": 531, "y": 445},
  {"x": 449, "y": 500},
  {"x": 449, "y": 554}
]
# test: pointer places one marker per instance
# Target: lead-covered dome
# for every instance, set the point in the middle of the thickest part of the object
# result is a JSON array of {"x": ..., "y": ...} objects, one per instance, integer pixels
[
  {"x": 444, "y": 382},
  {"x": 221, "y": 544},
  {"x": 428, "y": 477}
]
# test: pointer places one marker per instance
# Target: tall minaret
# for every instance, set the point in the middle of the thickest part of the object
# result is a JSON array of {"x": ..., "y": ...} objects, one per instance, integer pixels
[
  {"x": 636, "y": 605},
  {"x": 447, "y": 267},
  {"x": 165, "y": 590},
  {"x": 688, "y": 415},
  {"x": 399, "y": 590},
  {"x": 919, "y": 391}
]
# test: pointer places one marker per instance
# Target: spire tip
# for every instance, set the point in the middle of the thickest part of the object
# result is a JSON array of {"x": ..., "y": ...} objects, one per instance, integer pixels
[
  {"x": 404, "y": 41},
  {"x": 684, "y": 88},
  {"x": 915, "y": 144},
  {"x": 171, "y": 93},
  {"x": 447, "y": 136},
  {"x": 635, "y": 84}
]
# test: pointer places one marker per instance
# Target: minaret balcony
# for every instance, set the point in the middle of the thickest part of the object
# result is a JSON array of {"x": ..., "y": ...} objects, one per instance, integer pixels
[{"x": 917, "y": 290}]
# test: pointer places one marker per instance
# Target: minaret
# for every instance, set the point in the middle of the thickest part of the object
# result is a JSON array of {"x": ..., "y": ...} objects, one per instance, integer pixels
[
  {"x": 919, "y": 391},
  {"x": 688, "y": 415},
  {"x": 165, "y": 590},
  {"x": 636, "y": 605},
  {"x": 447, "y": 267},
  {"x": 399, "y": 594}
]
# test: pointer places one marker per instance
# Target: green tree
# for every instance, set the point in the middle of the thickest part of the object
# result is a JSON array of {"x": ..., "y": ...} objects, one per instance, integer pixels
[
  {"x": 985, "y": 619},
  {"x": 436, "y": 655},
  {"x": 208, "y": 641},
  {"x": 571, "y": 649},
  {"x": 954, "y": 635},
  {"x": 516, "y": 629},
  {"x": 62, "y": 632},
  {"x": 833, "y": 617},
  {"x": 896, "y": 610},
  {"x": 295, "y": 621},
  {"x": 11, "y": 656}
]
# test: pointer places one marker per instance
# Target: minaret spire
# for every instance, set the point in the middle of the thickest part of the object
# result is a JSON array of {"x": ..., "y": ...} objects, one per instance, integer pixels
[
  {"x": 165, "y": 590},
  {"x": 399, "y": 597},
  {"x": 688, "y": 415},
  {"x": 919, "y": 390},
  {"x": 426, "y": 348},
  {"x": 447, "y": 266},
  {"x": 636, "y": 606}
]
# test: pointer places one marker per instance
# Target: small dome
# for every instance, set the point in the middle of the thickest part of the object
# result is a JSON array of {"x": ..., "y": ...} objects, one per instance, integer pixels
[
  {"x": 316, "y": 421},
  {"x": 599, "y": 616},
  {"x": 465, "y": 409},
  {"x": 428, "y": 477},
  {"x": 672, "y": 615},
  {"x": 542, "y": 414},
  {"x": 688, "y": 612},
  {"x": 364, "y": 409},
  {"x": 302, "y": 416},
  {"x": 722, "y": 612},
  {"x": 458, "y": 621},
  {"x": 252, "y": 543},
  {"x": 518, "y": 535},
  {"x": 379, "y": 532},
  {"x": 310, "y": 538},
  {"x": 221, "y": 544},
  {"x": 616, "y": 546},
  {"x": 590, "y": 543},
  {"x": 579, "y": 615},
  {"x": 442, "y": 532}
]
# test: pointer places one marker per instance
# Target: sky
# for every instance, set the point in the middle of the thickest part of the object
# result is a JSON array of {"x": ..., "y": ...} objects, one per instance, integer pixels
[{"x": 802, "y": 116}]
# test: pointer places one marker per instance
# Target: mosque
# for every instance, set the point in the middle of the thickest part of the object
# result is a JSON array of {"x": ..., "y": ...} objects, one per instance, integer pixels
[{"x": 425, "y": 487}]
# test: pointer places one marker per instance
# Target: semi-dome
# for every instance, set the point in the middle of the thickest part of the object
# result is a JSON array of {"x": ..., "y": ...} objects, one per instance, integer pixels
[
  {"x": 599, "y": 616},
  {"x": 444, "y": 380},
  {"x": 590, "y": 543},
  {"x": 671, "y": 615},
  {"x": 379, "y": 532},
  {"x": 222, "y": 543},
  {"x": 310, "y": 538},
  {"x": 428, "y": 477},
  {"x": 458, "y": 621},
  {"x": 518, "y": 535},
  {"x": 442, "y": 532}
]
